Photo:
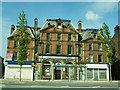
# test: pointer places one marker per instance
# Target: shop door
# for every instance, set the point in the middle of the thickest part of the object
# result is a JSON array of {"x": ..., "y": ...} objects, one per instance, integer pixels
[
  {"x": 95, "y": 74},
  {"x": 57, "y": 74}
]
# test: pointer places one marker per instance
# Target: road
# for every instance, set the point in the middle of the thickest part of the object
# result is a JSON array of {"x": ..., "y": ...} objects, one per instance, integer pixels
[
  {"x": 18, "y": 87},
  {"x": 59, "y": 85}
]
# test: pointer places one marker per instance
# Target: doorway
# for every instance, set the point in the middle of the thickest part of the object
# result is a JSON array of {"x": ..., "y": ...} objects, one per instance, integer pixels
[
  {"x": 57, "y": 70},
  {"x": 57, "y": 74}
]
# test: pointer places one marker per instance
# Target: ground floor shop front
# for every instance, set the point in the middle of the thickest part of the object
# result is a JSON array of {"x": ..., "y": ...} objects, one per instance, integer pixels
[
  {"x": 12, "y": 71},
  {"x": 58, "y": 70},
  {"x": 69, "y": 70}
]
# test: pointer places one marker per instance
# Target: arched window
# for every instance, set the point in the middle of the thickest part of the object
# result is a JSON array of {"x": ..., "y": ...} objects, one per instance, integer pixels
[
  {"x": 58, "y": 64},
  {"x": 46, "y": 68},
  {"x": 70, "y": 69}
]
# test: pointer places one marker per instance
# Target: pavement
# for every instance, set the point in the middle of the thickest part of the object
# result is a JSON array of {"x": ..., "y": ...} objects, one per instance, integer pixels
[{"x": 112, "y": 85}]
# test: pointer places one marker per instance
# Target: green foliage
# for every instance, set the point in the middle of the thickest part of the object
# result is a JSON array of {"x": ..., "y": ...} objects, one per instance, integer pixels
[
  {"x": 106, "y": 42},
  {"x": 22, "y": 36}
]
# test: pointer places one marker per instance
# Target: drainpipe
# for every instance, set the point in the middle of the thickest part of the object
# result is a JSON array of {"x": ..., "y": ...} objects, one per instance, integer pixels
[{"x": 110, "y": 78}]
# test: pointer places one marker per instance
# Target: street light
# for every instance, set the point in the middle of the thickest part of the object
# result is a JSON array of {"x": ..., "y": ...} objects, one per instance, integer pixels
[
  {"x": 41, "y": 60},
  {"x": 110, "y": 79}
]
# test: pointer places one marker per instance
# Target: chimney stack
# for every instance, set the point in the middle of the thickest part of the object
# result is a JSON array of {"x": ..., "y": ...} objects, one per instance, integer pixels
[
  {"x": 12, "y": 28},
  {"x": 80, "y": 26},
  {"x": 117, "y": 29},
  {"x": 36, "y": 24}
]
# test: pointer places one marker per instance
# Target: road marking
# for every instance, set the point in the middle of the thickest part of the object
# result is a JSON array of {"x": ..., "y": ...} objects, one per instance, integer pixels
[
  {"x": 96, "y": 87},
  {"x": 49, "y": 86}
]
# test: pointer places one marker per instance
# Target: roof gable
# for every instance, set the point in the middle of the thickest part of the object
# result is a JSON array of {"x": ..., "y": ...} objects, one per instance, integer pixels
[
  {"x": 58, "y": 24},
  {"x": 89, "y": 33},
  {"x": 28, "y": 30}
]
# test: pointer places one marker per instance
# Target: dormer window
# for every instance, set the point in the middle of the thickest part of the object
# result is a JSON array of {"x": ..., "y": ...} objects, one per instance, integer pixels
[
  {"x": 94, "y": 36},
  {"x": 49, "y": 24},
  {"x": 59, "y": 25}
]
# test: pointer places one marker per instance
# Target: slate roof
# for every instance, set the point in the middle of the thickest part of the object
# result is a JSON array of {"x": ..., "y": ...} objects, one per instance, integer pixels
[
  {"x": 88, "y": 33},
  {"x": 54, "y": 23},
  {"x": 30, "y": 30}
]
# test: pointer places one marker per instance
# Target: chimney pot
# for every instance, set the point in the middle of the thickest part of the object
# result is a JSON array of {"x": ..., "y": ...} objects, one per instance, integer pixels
[
  {"x": 80, "y": 26},
  {"x": 35, "y": 24},
  {"x": 12, "y": 28},
  {"x": 116, "y": 29}
]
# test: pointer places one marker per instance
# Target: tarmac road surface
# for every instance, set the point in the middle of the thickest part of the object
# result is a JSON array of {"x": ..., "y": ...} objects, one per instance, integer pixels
[
  {"x": 59, "y": 85},
  {"x": 19, "y": 87}
]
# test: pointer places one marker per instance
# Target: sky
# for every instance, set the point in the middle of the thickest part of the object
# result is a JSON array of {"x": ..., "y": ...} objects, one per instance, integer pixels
[{"x": 92, "y": 14}]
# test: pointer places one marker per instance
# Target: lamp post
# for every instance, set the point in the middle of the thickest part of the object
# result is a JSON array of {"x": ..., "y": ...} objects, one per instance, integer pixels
[
  {"x": 41, "y": 60},
  {"x": 110, "y": 72},
  {"x": 41, "y": 68}
]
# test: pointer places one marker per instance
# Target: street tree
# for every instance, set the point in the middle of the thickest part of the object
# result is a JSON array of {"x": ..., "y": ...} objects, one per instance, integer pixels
[
  {"x": 106, "y": 42},
  {"x": 22, "y": 37}
]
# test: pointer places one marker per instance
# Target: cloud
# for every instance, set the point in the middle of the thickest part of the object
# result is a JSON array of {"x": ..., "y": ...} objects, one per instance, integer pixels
[
  {"x": 90, "y": 15},
  {"x": 103, "y": 7},
  {"x": 92, "y": 24},
  {"x": 96, "y": 13}
]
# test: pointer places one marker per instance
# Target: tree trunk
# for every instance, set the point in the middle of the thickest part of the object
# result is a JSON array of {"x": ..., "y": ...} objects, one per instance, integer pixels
[{"x": 20, "y": 71}]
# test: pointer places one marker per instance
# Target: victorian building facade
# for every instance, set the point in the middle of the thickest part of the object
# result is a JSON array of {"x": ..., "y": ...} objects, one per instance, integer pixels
[
  {"x": 93, "y": 56},
  {"x": 116, "y": 50},
  {"x": 58, "y": 51},
  {"x": 12, "y": 68}
]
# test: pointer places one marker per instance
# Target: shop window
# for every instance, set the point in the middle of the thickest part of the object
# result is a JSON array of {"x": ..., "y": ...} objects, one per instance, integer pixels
[
  {"x": 47, "y": 69},
  {"x": 102, "y": 74},
  {"x": 89, "y": 74},
  {"x": 95, "y": 74},
  {"x": 58, "y": 64},
  {"x": 69, "y": 69}
]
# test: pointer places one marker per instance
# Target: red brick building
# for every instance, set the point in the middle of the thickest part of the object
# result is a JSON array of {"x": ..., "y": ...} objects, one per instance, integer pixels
[
  {"x": 116, "y": 50},
  {"x": 58, "y": 49},
  {"x": 12, "y": 67},
  {"x": 92, "y": 51},
  {"x": 116, "y": 42},
  {"x": 93, "y": 56}
]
